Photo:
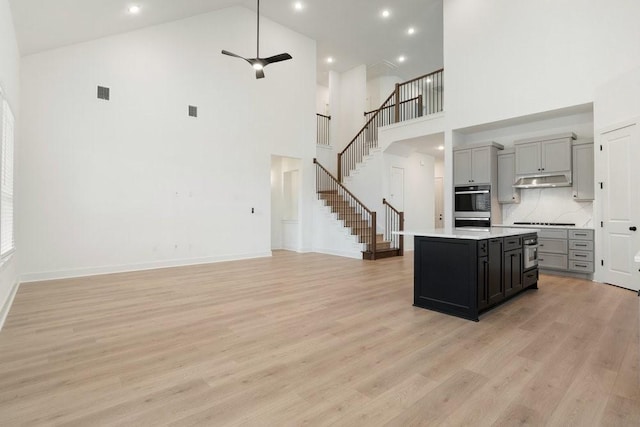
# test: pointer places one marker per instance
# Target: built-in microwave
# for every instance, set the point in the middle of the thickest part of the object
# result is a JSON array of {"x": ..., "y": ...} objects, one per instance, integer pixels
[
  {"x": 473, "y": 206},
  {"x": 473, "y": 198}
]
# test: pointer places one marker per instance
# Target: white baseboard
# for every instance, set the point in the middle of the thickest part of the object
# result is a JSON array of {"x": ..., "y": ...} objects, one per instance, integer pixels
[
  {"x": 95, "y": 271},
  {"x": 4, "y": 312},
  {"x": 343, "y": 254}
]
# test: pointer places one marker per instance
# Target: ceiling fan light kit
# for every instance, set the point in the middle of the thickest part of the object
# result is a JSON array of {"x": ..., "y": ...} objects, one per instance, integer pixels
[{"x": 258, "y": 63}]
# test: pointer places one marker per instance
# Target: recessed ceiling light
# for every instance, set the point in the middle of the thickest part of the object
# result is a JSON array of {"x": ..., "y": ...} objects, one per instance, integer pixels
[
  {"x": 330, "y": 60},
  {"x": 401, "y": 58},
  {"x": 134, "y": 9},
  {"x": 411, "y": 31},
  {"x": 440, "y": 147},
  {"x": 298, "y": 5},
  {"x": 385, "y": 13}
]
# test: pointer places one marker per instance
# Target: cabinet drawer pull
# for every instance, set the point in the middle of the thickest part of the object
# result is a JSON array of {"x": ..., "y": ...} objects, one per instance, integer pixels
[
  {"x": 581, "y": 265},
  {"x": 580, "y": 255},
  {"x": 582, "y": 246},
  {"x": 581, "y": 234}
]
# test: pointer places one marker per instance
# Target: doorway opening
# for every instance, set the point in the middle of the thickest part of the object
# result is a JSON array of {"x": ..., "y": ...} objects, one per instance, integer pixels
[{"x": 286, "y": 192}]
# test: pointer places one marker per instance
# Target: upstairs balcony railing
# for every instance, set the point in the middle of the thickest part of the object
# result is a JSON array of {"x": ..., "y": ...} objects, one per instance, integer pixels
[
  {"x": 414, "y": 98},
  {"x": 322, "y": 129}
]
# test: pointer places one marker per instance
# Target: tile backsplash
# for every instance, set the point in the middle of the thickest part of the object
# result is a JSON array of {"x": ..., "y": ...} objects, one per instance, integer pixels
[{"x": 548, "y": 205}]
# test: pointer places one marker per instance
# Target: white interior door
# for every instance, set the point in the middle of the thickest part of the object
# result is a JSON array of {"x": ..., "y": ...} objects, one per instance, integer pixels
[
  {"x": 621, "y": 206},
  {"x": 396, "y": 188},
  {"x": 438, "y": 188}
]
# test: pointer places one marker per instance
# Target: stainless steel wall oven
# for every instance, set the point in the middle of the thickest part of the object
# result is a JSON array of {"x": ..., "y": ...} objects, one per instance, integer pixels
[{"x": 473, "y": 206}]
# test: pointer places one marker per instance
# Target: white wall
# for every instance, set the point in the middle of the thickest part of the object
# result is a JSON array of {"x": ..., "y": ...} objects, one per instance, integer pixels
[
  {"x": 419, "y": 194},
  {"x": 372, "y": 181},
  {"x": 617, "y": 100},
  {"x": 9, "y": 81},
  {"x": 379, "y": 89},
  {"x": 352, "y": 101},
  {"x": 135, "y": 183},
  {"x": 506, "y": 58},
  {"x": 322, "y": 99},
  {"x": 581, "y": 124}
]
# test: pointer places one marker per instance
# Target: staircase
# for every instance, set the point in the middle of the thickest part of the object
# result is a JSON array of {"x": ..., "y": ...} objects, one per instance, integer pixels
[
  {"x": 359, "y": 226},
  {"x": 354, "y": 215},
  {"x": 412, "y": 99}
]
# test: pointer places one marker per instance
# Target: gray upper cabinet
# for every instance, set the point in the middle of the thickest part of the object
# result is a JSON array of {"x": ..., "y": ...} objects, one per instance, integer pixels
[
  {"x": 528, "y": 158},
  {"x": 506, "y": 177},
  {"x": 583, "y": 177},
  {"x": 545, "y": 156},
  {"x": 472, "y": 166}
]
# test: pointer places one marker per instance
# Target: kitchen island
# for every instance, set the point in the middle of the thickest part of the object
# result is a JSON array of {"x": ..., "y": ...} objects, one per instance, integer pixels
[{"x": 465, "y": 272}]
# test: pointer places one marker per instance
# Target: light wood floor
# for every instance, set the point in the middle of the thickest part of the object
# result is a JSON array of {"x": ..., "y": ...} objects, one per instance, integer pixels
[{"x": 313, "y": 340}]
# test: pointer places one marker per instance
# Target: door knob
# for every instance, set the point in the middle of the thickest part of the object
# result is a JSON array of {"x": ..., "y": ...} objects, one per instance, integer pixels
[{"x": 634, "y": 228}]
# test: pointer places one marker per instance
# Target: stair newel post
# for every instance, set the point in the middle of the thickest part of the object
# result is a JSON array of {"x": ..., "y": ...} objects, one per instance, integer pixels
[
  {"x": 396, "y": 109},
  {"x": 340, "y": 167},
  {"x": 401, "y": 228},
  {"x": 373, "y": 235},
  {"x": 419, "y": 106}
]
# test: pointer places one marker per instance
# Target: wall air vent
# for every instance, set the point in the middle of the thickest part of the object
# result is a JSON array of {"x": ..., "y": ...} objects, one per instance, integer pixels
[
  {"x": 193, "y": 111},
  {"x": 103, "y": 93}
]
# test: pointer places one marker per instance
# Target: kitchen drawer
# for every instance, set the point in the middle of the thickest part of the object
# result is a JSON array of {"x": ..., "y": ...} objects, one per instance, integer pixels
[
  {"x": 581, "y": 234},
  {"x": 581, "y": 255},
  {"x": 552, "y": 233},
  {"x": 483, "y": 246},
  {"x": 581, "y": 245},
  {"x": 553, "y": 261},
  {"x": 529, "y": 277},
  {"x": 512, "y": 243},
  {"x": 583, "y": 266},
  {"x": 553, "y": 246}
]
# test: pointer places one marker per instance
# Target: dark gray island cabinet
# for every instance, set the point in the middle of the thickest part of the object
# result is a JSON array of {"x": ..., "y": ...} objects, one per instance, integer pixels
[{"x": 465, "y": 272}]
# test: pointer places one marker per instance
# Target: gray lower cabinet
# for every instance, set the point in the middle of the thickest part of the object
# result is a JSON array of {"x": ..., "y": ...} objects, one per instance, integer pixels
[
  {"x": 566, "y": 250},
  {"x": 581, "y": 251}
]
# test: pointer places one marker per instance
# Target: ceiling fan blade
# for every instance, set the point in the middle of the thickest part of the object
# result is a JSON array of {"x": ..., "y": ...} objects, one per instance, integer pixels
[
  {"x": 226, "y": 52},
  {"x": 259, "y": 74},
  {"x": 277, "y": 58}
]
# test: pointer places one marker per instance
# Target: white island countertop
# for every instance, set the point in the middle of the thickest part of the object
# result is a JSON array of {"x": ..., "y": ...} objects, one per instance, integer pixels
[{"x": 468, "y": 233}]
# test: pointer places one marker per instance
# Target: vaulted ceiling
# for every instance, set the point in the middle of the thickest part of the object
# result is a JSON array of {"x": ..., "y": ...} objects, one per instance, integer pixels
[{"x": 353, "y": 32}]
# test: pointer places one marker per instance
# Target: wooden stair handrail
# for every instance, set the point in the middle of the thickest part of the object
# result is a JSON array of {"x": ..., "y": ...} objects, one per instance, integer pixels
[
  {"x": 422, "y": 77},
  {"x": 385, "y": 202},
  {"x": 392, "y": 105},
  {"x": 343, "y": 187},
  {"x": 349, "y": 149},
  {"x": 400, "y": 225},
  {"x": 369, "y": 235},
  {"x": 367, "y": 124}
]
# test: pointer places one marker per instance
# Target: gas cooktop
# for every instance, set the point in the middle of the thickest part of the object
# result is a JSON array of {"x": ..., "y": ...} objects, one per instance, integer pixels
[{"x": 557, "y": 224}]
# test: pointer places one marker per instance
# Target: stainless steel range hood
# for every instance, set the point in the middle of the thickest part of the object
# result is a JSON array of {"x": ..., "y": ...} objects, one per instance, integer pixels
[{"x": 548, "y": 181}]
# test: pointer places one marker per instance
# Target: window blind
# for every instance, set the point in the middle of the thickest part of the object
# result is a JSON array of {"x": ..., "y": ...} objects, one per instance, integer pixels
[{"x": 7, "y": 243}]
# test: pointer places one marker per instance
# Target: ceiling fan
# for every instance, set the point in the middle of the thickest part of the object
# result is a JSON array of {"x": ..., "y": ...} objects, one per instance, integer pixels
[{"x": 258, "y": 63}]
